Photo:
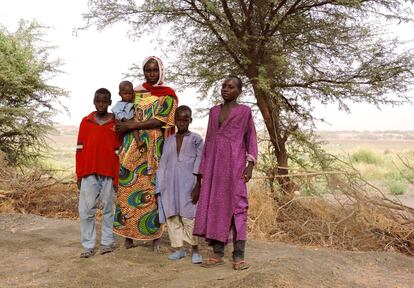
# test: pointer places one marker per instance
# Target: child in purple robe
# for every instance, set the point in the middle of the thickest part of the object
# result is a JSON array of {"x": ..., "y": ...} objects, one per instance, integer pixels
[
  {"x": 177, "y": 184},
  {"x": 229, "y": 154}
]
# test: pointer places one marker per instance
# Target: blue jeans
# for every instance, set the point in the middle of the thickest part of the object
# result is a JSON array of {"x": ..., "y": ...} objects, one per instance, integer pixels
[{"x": 96, "y": 188}]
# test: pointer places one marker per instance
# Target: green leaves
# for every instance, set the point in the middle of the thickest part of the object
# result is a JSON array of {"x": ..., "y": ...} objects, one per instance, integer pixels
[
  {"x": 27, "y": 102},
  {"x": 290, "y": 54}
]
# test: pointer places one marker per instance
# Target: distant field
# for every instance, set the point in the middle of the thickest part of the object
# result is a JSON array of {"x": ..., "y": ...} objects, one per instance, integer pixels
[
  {"x": 379, "y": 141},
  {"x": 373, "y": 154},
  {"x": 63, "y": 144}
]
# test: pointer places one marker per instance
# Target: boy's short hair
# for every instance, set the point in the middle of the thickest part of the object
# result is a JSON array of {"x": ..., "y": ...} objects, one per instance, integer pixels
[
  {"x": 238, "y": 80},
  {"x": 183, "y": 108},
  {"x": 103, "y": 91}
]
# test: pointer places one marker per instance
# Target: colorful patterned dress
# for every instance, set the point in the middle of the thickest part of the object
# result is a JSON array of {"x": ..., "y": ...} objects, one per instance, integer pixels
[{"x": 136, "y": 212}]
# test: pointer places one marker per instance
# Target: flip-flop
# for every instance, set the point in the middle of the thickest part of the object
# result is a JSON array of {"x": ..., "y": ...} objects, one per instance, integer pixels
[
  {"x": 212, "y": 262},
  {"x": 196, "y": 258},
  {"x": 87, "y": 254},
  {"x": 241, "y": 265},
  {"x": 177, "y": 255}
]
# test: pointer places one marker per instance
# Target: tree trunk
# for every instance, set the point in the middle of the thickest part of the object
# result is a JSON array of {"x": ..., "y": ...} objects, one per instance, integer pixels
[
  {"x": 285, "y": 183},
  {"x": 271, "y": 117}
]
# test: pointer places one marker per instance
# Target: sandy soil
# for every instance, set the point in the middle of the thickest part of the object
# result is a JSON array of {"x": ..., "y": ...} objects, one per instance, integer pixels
[{"x": 44, "y": 252}]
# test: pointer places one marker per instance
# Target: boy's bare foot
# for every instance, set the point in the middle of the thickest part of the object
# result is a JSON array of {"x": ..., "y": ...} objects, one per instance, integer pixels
[{"x": 129, "y": 243}]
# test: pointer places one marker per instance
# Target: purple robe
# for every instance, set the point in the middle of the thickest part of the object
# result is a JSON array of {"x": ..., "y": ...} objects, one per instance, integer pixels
[
  {"x": 175, "y": 176},
  {"x": 223, "y": 195}
]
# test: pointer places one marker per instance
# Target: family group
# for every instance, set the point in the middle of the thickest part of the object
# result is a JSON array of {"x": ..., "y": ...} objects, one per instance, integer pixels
[{"x": 147, "y": 171}]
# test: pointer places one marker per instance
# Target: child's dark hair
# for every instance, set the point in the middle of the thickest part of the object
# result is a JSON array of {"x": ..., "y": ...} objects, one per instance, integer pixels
[
  {"x": 103, "y": 91},
  {"x": 238, "y": 80},
  {"x": 183, "y": 108},
  {"x": 126, "y": 83}
]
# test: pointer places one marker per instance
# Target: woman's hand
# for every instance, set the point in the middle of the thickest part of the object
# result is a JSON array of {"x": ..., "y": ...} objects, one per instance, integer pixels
[
  {"x": 129, "y": 125},
  {"x": 248, "y": 171},
  {"x": 126, "y": 126}
]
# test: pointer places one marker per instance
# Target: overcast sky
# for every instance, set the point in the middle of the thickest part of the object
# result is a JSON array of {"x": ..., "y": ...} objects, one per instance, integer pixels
[{"x": 95, "y": 59}]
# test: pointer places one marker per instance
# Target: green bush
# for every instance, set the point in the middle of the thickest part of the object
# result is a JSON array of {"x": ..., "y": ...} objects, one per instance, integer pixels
[
  {"x": 365, "y": 156},
  {"x": 397, "y": 187}
]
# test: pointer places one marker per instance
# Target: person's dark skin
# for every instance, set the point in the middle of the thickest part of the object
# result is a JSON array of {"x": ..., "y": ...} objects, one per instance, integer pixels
[
  {"x": 126, "y": 91},
  {"x": 152, "y": 74},
  {"x": 230, "y": 91},
  {"x": 101, "y": 102},
  {"x": 182, "y": 122}
]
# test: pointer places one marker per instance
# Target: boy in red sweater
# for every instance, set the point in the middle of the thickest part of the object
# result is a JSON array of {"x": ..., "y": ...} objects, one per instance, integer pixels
[{"x": 97, "y": 169}]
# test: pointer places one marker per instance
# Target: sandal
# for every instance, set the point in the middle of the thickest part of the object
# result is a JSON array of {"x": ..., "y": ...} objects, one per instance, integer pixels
[
  {"x": 241, "y": 265},
  {"x": 106, "y": 249},
  {"x": 212, "y": 262},
  {"x": 87, "y": 254}
]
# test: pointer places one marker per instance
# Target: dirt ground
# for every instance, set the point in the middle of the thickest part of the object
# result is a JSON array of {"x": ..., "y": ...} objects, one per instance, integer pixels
[{"x": 44, "y": 252}]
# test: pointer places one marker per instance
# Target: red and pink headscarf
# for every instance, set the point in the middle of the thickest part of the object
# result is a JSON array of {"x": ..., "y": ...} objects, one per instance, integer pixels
[{"x": 158, "y": 89}]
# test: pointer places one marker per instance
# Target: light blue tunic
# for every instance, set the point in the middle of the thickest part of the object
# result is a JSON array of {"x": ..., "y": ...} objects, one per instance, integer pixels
[
  {"x": 176, "y": 176},
  {"x": 123, "y": 110}
]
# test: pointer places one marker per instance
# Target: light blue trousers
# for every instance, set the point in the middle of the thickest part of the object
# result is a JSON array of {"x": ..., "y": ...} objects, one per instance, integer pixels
[{"x": 94, "y": 189}]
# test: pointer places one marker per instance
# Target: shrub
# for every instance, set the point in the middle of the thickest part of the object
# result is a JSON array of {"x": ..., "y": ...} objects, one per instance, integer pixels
[
  {"x": 365, "y": 156},
  {"x": 397, "y": 187}
]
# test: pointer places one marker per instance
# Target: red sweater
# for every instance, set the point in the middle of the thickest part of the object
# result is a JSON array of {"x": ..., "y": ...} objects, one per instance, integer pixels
[{"x": 96, "y": 149}]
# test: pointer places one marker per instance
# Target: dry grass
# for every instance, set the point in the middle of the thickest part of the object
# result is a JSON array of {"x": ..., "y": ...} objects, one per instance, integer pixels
[
  {"x": 37, "y": 192},
  {"x": 262, "y": 211},
  {"x": 353, "y": 216}
]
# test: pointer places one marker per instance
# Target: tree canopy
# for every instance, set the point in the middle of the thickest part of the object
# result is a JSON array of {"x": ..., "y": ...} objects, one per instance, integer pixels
[
  {"x": 27, "y": 101},
  {"x": 292, "y": 53}
]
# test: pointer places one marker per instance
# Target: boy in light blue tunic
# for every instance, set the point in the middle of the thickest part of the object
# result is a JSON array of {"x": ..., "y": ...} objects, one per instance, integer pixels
[{"x": 178, "y": 185}]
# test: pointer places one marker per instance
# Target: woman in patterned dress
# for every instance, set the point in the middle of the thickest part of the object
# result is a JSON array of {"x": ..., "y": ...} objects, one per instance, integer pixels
[{"x": 136, "y": 213}]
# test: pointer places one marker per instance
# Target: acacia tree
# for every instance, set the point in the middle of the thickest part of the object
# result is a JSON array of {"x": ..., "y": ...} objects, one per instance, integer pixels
[
  {"x": 293, "y": 53},
  {"x": 26, "y": 100}
]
